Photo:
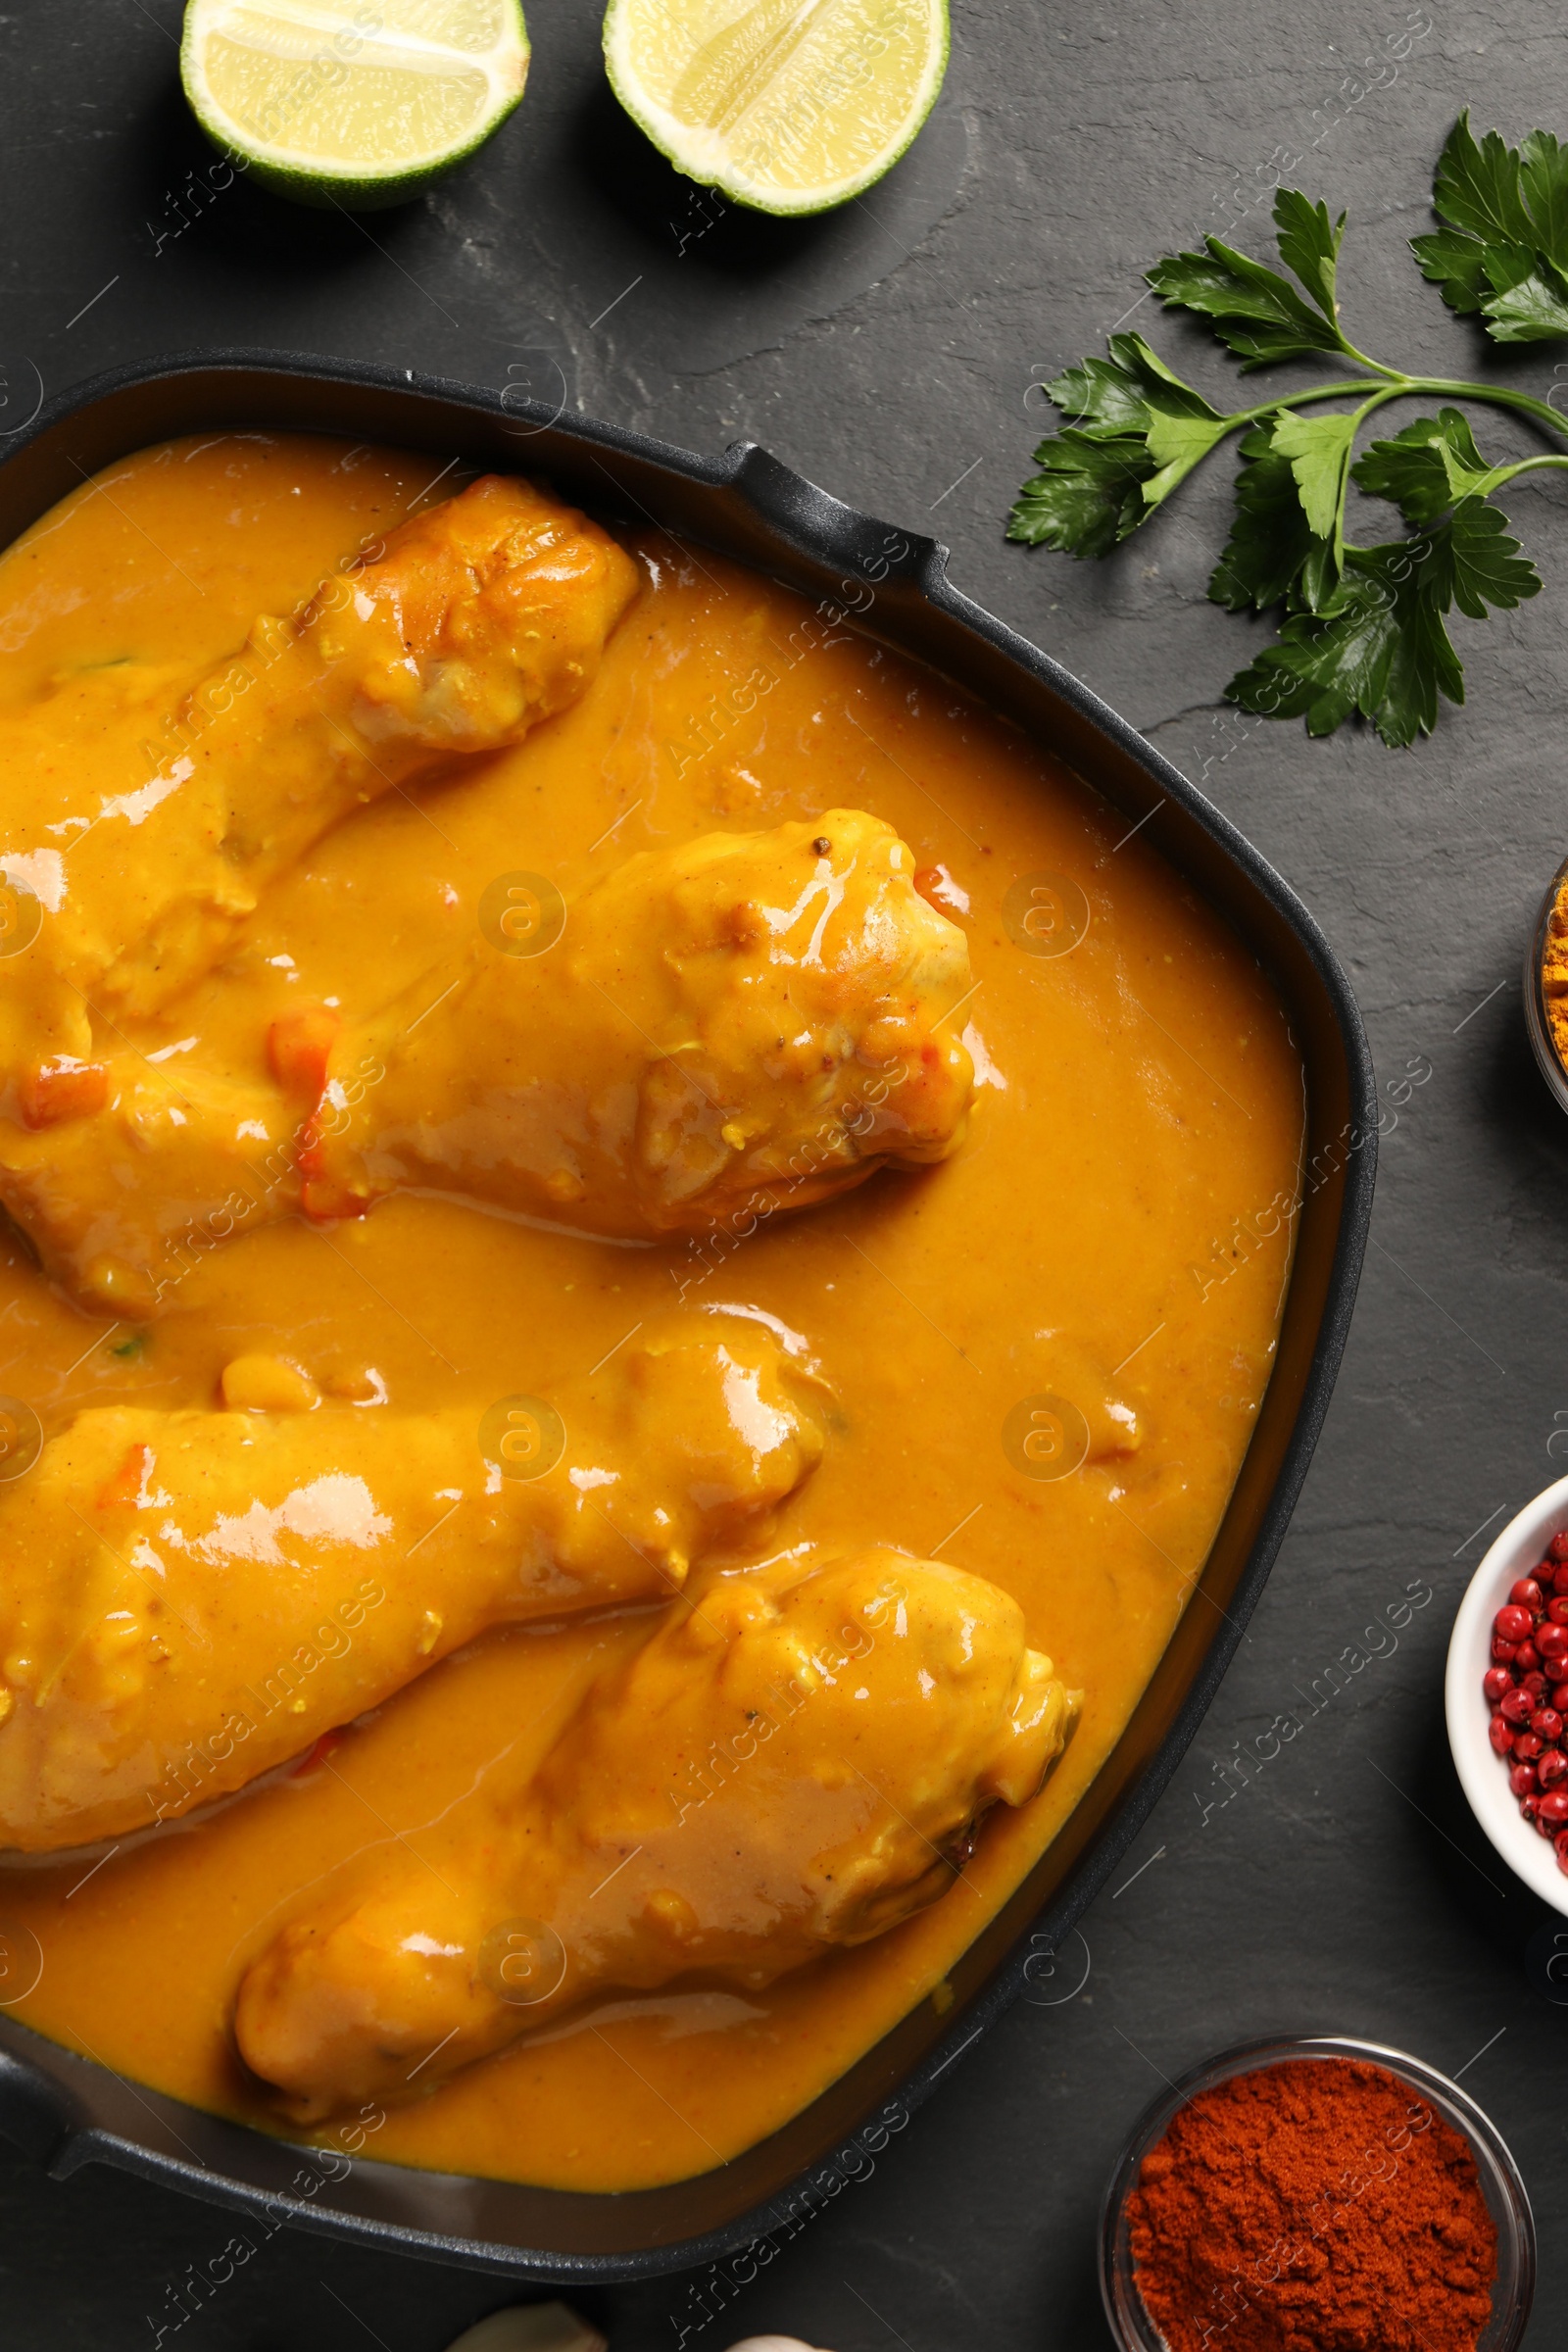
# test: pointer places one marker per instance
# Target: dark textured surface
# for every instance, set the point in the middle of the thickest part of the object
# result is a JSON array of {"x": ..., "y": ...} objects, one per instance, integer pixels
[{"x": 888, "y": 353}]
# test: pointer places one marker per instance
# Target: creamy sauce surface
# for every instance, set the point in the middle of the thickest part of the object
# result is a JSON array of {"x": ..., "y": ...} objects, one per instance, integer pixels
[{"x": 1114, "y": 1233}]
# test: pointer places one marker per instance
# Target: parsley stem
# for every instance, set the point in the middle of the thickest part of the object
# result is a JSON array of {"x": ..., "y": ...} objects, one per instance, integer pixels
[
  {"x": 1376, "y": 365},
  {"x": 1415, "y": 387},
  {"x": 1297, "y": 400},
  {"x": 1378, "y": 400},
  {"x": 1511, "y": 473},
  {"x": 1496, "y": 396},
  {"x": 1410, "y": 387}
]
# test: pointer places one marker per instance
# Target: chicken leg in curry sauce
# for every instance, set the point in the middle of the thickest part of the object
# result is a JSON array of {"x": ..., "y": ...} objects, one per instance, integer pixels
[
  {"x": 748, "y": 1023},
  {"x": 189, "y": 1599},
  {"x": 794, "y": 1762},
  {"x": 473, "y": 621}
]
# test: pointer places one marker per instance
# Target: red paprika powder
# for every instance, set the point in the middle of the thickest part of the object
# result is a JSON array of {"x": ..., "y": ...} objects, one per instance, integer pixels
[{"x": 1314, "y": 2206}]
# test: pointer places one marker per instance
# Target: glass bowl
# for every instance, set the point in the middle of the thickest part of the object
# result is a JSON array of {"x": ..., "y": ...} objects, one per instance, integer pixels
[
  {"x": 1513, "y": 2288},
  {"x": 1551, "y": 1068}
]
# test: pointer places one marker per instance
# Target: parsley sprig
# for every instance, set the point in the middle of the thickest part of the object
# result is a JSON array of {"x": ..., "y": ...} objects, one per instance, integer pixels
[{"x": 1362, "y": 629}]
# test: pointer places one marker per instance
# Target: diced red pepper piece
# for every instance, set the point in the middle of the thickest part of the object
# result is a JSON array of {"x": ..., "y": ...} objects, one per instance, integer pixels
[
  {"x": 62, "y": 1089},
  {"x": 298, "y": 1046}
]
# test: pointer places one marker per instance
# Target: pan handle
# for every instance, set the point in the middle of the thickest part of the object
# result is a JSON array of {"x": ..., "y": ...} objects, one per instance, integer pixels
[{"x": 869, "y": 553}]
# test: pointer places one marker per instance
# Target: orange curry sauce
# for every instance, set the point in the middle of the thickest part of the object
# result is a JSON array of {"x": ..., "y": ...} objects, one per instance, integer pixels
[{"x": 1138, "y": 1096}]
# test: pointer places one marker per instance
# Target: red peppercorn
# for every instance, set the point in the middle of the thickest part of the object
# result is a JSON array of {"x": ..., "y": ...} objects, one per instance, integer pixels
[
  {"x": 1561, "y": 1842},
  {"x": 1496, "y": 1682},
  {"x": 1552, "y": 1767},
  {"x": 1538, "y": 1686},
  {"x": 1526, "y": 1593},
  {"x": 1551, "y": 1640},
  {"x": 1512, "y": 1623},
  {"x": 1527, "y": 1746},
  {"x": 1500, "y": 1734},
  {"x": 1504, "y": 1652},
  {"x": 1558, "y": 1575},
  {"x": 1517, "y": 1708},
  {"x": 1558, "y": 1548},
  {"x": 1527, "y": 1658},
  {"x": 1559, "y": 1698},
  {"x": 1522, "y": 1781},
  {"x": 1554, "y": 1808},
  {"x": 1547, "y": 1723}
]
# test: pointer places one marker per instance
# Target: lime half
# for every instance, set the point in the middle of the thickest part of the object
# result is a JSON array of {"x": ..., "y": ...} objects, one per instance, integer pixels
[
  {"x": 352, "y": 102},
  {"x": 788, "y": 106}
]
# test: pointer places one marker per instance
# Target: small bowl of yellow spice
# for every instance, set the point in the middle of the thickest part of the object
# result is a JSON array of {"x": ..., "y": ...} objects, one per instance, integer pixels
[{"x": 1546, "y": 985}]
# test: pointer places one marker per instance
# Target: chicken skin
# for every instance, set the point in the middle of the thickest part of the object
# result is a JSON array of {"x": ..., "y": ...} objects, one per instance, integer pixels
[
  {"x": 743, "y": 1025},
  {"x": 473, "y": 621},
  {"x": 794, "y": 1762},
  {"x": 188, "y": 1599},
  {"x": 748, "y": 1023}
]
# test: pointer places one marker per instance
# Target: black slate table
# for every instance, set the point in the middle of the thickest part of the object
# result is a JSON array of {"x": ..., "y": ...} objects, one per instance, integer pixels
[{"x": 889, "y": 352}]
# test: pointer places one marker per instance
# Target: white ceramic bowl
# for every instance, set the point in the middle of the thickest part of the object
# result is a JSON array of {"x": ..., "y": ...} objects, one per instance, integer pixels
[{"x": 1482, "y": 1774}]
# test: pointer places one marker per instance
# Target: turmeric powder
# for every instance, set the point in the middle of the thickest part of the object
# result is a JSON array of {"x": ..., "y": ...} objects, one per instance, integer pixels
[{"x": 1554, "y": 974}]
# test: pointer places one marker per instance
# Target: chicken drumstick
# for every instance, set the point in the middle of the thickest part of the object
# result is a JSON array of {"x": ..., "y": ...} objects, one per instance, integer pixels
[
  {"x": 743, "y": 1025},
  {"x": 794, "y": 1762},
  {"x": 475, "y": 619},
  {"x": 188, "y": 1599}
]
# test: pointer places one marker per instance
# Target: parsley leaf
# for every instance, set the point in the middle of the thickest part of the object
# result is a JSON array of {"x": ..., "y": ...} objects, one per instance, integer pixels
[
  {"x": 1255, "y": 312},
  {"x": 1457, "y": 265},
  {"x": 1529, "y": 301},
  {"x": 1318, "y": 450},
  {"x": 1504, "y": 252},
  {"x": 1382, "y": 648},
  {"x": 1487, "y": 567},
  {"x": 1425, "y": 468},
  {"x": 1087, "y": 496},
  {"x": 1102, "y": 395},
  {"x": 1478, "y": 188},
  {"x": 1309, "y": 243},
  {"x": 1271, "y": 554},
  {"x": 1135, "y": 430},
  {"x": 1120, "y": 393},
  {"x": 1382, "y": 652}
]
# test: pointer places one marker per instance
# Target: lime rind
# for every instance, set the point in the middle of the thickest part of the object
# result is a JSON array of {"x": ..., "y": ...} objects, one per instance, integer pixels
[
  {"x": 704, "y": 157},
  {"x": 320, "y": 181}
]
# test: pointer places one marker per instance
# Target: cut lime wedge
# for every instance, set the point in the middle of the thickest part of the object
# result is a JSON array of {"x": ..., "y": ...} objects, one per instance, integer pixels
[
  {"x": 358, "y": 102},
  {"x": 788, "y": 106}
]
